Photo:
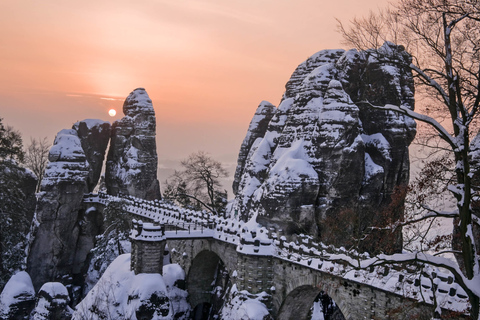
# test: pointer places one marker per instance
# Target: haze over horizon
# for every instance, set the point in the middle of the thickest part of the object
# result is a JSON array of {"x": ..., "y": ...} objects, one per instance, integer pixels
[{"x": 205, "y": 64}]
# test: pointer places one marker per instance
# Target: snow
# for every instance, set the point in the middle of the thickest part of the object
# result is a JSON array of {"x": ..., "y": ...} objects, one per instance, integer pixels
[
  {"x": 292, "y": 163},
  {"x": 371, "y": 168},
  {"x": 119, "y": 293},
  {"x": 244, "y": 306},
  {"x": 18, "y": 288},
  {"x": 66, "y": 147},
  {"x": 54, "y": 289},
  {"x": 317, "y": 311},
  {"x": 172, "y": 273},
  {"x": 378, "y": 141}
]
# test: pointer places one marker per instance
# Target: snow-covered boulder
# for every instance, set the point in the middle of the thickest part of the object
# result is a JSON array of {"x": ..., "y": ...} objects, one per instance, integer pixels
[
  {"x": 325, "y": 151},
  {"x": 245, "y": 306},
  {"x": 132, "y": 157},
  {"x": 120, "y": 294},
  {"x": 174, "y": 277},
  {"x": 18, "y": 297},
  {"x": 52, "y": 303}
]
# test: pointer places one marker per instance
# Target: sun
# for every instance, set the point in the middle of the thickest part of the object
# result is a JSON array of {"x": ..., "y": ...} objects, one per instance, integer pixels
[{"x": 112, "y": 112}]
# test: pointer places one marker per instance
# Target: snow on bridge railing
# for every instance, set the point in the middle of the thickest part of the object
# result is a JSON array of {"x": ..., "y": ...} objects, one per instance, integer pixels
[{"x": 416, "y": 281}]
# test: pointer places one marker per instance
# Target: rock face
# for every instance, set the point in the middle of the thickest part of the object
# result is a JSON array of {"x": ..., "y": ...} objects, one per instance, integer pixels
[
  {"x": 94, "y": 136},
  {"x": 64, "y": 232},
  {"x": 75, "y": 163},
  {"x": 63, "y": 186},
  {"x": 132, "y": 158},
  {"x": 324, "y": 155},
  {"x": 256, "y": 129}
]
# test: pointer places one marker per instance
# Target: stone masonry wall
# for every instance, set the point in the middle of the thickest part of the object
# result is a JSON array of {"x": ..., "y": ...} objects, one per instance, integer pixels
[{"x": 147, "y": 256}]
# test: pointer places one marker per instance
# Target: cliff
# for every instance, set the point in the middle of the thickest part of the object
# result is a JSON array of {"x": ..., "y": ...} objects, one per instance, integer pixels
[{"x": 326, "y": 156}]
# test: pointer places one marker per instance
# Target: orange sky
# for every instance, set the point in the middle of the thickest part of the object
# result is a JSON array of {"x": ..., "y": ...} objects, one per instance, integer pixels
[{"x": 205, "y": 64}]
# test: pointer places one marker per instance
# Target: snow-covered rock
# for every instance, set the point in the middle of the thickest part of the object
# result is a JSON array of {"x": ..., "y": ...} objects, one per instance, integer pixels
[
  {"x": 245, "y": 306},
  {"x": 18, "y": 297},
  {"x": 256, "y": 129},
  {"x": 94, "y": 136},
  {"x": 120, "y": 294},
  {"x": 63, "y": 234},
  {"x": 132, "y": 157},
  {"x": 52, "y": 303},
  {"x": 324, "y": 150},
  {"x": 56, "y": 221}
]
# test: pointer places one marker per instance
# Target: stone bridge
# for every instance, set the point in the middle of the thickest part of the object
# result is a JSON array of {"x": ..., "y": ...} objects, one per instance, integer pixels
[{"x": 292, "y": 274}]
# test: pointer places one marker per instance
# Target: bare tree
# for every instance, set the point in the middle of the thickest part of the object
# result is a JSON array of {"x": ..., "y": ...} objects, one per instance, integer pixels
[
  {"x": 444, "y": 39},
  {"x": 198, "y": 184},
  {"x": 36, "y": 158}
]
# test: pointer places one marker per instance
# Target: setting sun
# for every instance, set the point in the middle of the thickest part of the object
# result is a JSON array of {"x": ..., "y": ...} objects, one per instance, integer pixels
[{"x": 112, "y": 112}]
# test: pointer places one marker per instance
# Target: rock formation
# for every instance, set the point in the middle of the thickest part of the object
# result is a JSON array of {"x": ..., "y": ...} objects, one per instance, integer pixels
[
  {"x": 75, "y": 163},
  {"x": 64, "y": 232},
  {"x": 132, "y": 158},
  {"x": 257, "y": 128},
  {"x": 325, "y": 155},
  {"x": 94, "y": 136},
  {"x": 63, "y": 186}
]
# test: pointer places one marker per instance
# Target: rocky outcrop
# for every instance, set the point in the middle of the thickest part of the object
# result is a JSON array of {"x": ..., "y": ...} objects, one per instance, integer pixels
[
  {"x": 325, "y": 155},
  {"x": 75, "y": 164},
  {"x": 94, "y": 136},
  {"x": 56, "y": 219},
  {"x": 132, "y": 157},
  {"x": 64, "y": 230},
  {"x": 256, "y": 129}
]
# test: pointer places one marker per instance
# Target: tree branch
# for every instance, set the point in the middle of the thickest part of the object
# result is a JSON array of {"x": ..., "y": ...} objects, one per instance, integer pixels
[{"x": 420, "y": 117}]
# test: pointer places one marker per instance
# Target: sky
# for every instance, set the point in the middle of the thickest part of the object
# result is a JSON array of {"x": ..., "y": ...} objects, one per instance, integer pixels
[{"x": 206, "y": 64}]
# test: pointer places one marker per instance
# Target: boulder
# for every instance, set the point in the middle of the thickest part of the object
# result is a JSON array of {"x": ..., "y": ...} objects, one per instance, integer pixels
[
  {"x": 132, "y": 158},
  {"x": 18, "y": 297},
  {"x": 52, "y": 303}
]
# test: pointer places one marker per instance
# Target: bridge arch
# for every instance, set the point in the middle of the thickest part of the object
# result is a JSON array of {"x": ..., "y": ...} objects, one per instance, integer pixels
[
  {"x": 207, "y": 282},
  {"x": 201, "y": 277},
  {"x": 299, "y": 301}
]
